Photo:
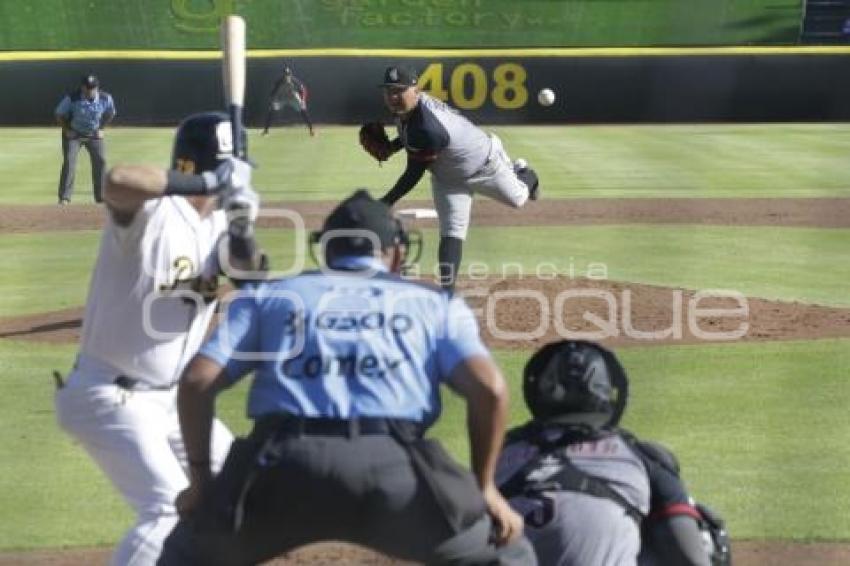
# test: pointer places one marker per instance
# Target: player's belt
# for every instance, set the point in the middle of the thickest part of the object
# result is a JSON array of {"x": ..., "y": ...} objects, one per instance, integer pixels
[
  {"x": 490, "y": 157},
  {"x": 291, "y": 425},
  {"x": 131, "y": 384},
  {"x": 81, "y": 135}
]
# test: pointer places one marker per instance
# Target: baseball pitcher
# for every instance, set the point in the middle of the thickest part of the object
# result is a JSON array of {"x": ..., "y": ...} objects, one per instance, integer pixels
[{"x": 463, "y": 160}]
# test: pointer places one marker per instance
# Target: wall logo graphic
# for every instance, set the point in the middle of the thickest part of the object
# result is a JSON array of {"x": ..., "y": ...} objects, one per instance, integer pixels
[{"x": 192, "y": 19}]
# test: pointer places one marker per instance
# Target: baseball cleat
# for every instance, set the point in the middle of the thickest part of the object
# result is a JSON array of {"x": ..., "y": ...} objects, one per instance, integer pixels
[
  {"x": 529, "y": 177},
  {"x": 534, "y": 188},
  {"x": 64, "y": 201}
]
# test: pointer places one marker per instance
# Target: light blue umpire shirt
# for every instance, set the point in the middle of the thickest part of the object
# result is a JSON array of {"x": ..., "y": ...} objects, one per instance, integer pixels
[
  {"x": 86, "y": 116},
  {"x": 345, "y": 344}
]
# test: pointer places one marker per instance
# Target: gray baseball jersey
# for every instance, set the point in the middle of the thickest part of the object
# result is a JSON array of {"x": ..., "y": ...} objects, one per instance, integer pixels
[
  {"x": 467, "y": 160},
  {"x": 462, "y": 148},
  {"x": 571, "y": 528}
]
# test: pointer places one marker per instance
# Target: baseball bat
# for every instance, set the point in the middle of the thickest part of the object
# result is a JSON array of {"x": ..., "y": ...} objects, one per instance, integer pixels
[{"x": 233, "y": 75}]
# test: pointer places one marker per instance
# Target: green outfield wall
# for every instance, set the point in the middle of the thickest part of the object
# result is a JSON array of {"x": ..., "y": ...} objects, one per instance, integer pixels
[
  {"x": 272, "y": 24},
  {"x": 494, "y": 86}
]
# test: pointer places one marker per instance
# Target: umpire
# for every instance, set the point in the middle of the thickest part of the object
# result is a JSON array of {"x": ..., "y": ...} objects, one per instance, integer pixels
[
  {"x": 83, "y": 114},
  {"x": 348, "y": 363}
]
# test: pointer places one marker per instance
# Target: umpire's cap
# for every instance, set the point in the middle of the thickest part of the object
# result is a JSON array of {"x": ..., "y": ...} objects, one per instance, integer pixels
[
  {"x": 203, "y": 141},
  {"x": 90, "y": 81},
  {"x": 358, "y": 224},
  {"x": 576, "y": 383}
]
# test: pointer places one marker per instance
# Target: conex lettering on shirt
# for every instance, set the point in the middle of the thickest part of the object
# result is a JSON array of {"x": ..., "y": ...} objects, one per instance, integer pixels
[
  {"x": 358, "y": 341},
  {"x": 350, "y": 365}
]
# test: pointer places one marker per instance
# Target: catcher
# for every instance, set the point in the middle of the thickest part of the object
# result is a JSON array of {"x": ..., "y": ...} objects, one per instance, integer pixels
[
  {"x": 678, "y": 530},
  {"x": 462, "y": 158},
  {"x": 592, "y": 493}
]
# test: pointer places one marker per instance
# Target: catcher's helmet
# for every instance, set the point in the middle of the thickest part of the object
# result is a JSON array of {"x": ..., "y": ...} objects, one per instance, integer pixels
[
  {"x": 576, "y": 383},
  {"x": 203, "y": 141}
]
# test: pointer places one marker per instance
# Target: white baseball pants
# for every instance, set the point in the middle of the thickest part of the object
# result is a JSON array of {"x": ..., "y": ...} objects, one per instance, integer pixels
[{"x": 134, "y": 436}]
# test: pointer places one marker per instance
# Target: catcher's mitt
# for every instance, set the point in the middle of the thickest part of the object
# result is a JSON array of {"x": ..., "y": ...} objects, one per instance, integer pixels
[{"x": 375, "y": 141}]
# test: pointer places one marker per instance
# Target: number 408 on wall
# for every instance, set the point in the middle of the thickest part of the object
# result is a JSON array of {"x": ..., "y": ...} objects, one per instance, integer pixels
[{"x": 469, "y": 85}]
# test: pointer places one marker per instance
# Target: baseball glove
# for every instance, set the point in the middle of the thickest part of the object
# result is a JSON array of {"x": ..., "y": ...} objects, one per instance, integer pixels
[{"x": 375, "y": 141}]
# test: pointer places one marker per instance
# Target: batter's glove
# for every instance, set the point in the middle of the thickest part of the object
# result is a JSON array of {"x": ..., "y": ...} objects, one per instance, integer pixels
[
  {"x": 375, "y": 141},
  {"x": 241, "y": 202},
  {"x": 230, "y": 175},
  {"x": 242, "y": 206}
]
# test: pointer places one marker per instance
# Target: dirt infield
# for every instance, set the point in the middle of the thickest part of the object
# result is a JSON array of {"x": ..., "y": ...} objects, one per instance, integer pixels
[
  {"x": 822, "y": 213},
  {"x": 527, "y": 312},
  {"x": 524, "y": 313},
  {"x": 745, "y": 553}
]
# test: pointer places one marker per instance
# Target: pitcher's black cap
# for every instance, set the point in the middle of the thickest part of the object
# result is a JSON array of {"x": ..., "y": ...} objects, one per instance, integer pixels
[{"x": 397, "y": 76}]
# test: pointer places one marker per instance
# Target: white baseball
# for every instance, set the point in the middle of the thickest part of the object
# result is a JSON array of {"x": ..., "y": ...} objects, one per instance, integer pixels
[{"x": 546, "y": 97}]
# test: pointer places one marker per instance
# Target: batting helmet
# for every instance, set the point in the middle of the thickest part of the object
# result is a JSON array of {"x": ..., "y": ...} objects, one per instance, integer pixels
[
  {"x": 575, "y": 382},
  {"x": 203, "y": 141}
]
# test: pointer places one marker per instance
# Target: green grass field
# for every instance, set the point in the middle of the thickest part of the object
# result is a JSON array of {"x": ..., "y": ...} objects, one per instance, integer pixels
[
  {"x": 749, "y": 160},
  {"x": 760, "y": 428},
  {"x": 809, "y": 266}
]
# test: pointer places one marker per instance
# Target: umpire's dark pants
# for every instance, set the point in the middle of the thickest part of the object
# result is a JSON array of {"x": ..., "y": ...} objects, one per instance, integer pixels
[
  {"x": 362, "y": 489},
  {"x": 70, "y": 150}
]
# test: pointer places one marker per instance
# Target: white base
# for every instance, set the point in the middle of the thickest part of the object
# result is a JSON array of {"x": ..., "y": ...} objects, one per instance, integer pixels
[{"x": 419, "y": 212}]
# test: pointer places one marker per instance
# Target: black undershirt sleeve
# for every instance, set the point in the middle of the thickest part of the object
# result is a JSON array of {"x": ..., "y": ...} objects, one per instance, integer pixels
[
  {"x": 412, "y": 174},
  {"x": 178, "y": 183}
]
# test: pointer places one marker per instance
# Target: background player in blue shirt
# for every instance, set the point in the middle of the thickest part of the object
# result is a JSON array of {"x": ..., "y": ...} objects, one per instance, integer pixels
[
  {"x": 83, "y": 114},
  {"x": 348, "y": 365}
]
